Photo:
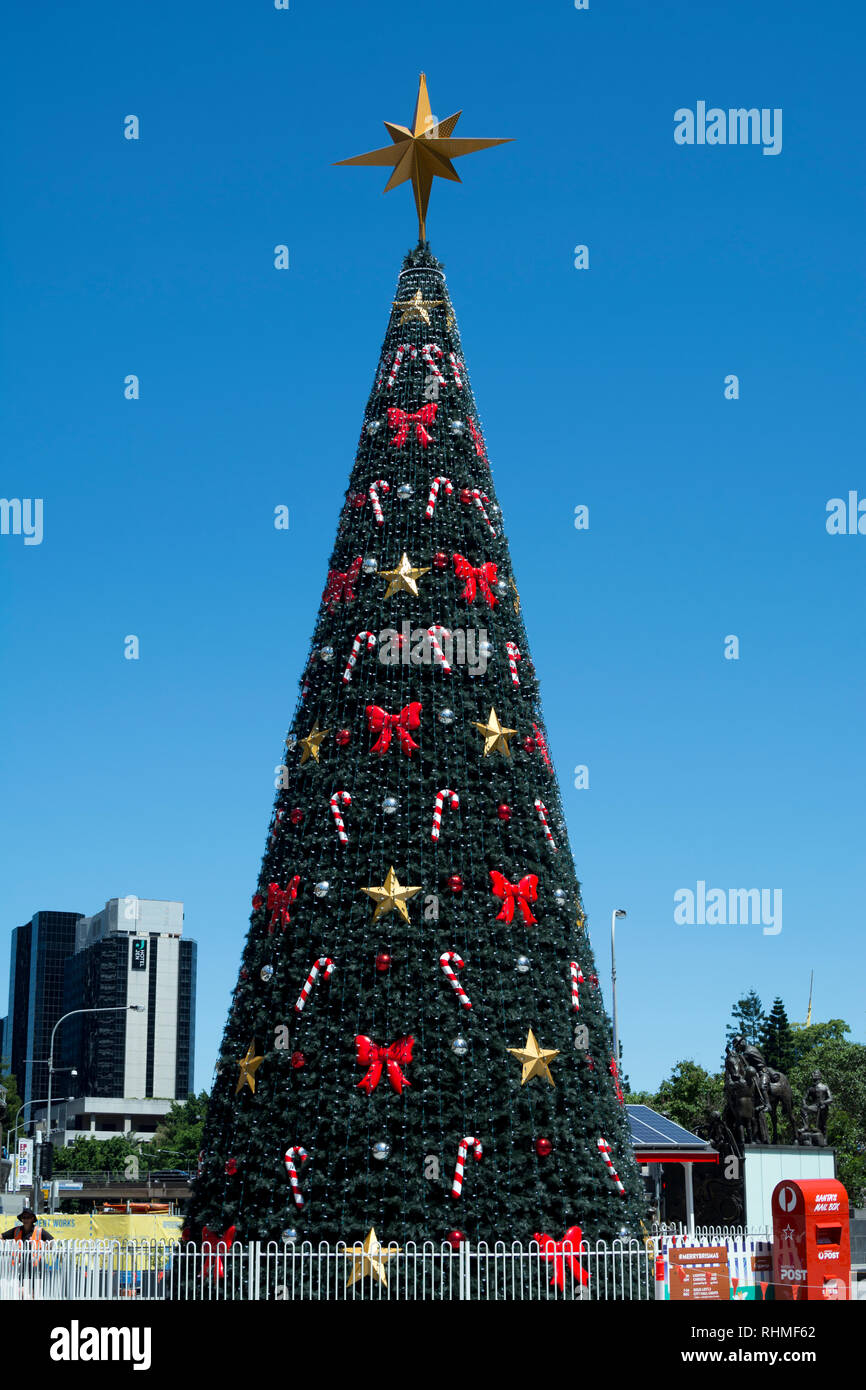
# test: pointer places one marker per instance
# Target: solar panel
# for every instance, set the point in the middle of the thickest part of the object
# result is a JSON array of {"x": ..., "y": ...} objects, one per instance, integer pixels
[{"x": 649, "y": 1127}]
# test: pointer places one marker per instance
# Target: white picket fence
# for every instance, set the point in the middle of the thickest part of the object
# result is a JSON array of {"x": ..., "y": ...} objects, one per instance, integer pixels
[{"x": 155, "y": 1270}]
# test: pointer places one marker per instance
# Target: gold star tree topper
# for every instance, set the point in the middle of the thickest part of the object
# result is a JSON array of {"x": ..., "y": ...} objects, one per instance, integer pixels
[
  {"x": 391, "y": 895},
  {"x": 496, "y": 736},
  {"x": 404, "y": 577},
  {"x": 369, "y": 1258},
  {"x": 423, "y": 153},
  {"x": 536, "y": 1060},
  {"x": 249, "y": 1065}
]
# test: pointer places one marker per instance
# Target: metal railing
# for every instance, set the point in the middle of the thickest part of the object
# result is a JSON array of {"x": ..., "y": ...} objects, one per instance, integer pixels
[{"x": 158, "y": 1270}]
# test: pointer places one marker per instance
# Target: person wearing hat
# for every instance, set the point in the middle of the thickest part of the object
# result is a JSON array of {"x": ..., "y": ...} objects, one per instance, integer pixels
[{"x": 28, "y": 1230}]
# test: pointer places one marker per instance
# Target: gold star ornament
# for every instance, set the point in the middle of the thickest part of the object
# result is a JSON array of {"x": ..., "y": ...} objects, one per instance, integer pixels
[
  {"x": 496, "y": 736},
  {"x": 536, "y": 1060},
  {"x": 312, "y": 743},
  {"x": 403, "y": 578},
  {"x": 249, "y": 1065},
  {"x": 391, "y": 895},
  {"x": 423, "y": 153},
  {"x": 369, "y": 1259}
]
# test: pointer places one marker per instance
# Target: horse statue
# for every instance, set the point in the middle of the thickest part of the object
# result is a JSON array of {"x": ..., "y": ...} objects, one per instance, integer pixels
[{"x": 744, "y": 1104}]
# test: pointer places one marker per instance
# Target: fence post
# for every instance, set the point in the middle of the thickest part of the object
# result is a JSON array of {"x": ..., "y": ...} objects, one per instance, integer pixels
[
  {"x": 463, "y": 1267},
  {"x": 253, "y": 1271}
]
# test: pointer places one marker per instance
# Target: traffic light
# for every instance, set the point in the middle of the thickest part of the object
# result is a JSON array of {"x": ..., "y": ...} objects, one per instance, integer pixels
[{"x": 45, "y": 1160}]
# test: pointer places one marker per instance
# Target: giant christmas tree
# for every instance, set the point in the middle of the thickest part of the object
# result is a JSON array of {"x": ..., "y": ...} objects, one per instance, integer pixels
[{"x": 417, "y": 1040}]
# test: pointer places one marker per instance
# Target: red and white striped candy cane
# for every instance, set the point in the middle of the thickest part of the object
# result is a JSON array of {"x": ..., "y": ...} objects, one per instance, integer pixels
[
  {"x": 398, "y": 360},
  {"x": 513, "y": 658},
  {"x": 448, "y": 960},
  {"x": 373, "y": 494},
  {"x": 465, "y": 1145},
  {"x": 480, "y": 498},
  {"x": 363, "y": 639},
  {"x": 295, "y": 1152},
  {"x": 604, "y": 1150},
  {"x": 430, "y": 352},
  {"x": 455, "y": 367},
  {"x": 345, "y": 798},
  {"x": 434, "y": 632},
  {"x": 437, "y": 809},
  {"x": 576, "y": 979},
  {"x": 324, "y": 966},
  {"x": 434, "y": 493},
  {"x": 542, "y": 816}
]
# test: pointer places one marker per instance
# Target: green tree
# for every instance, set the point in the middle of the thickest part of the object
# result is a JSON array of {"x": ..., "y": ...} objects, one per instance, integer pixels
[
  {"x": 842, "y": 1064},
  {"x": 13, "y": 1100},
  {"x": 85, "y": 1155},
  {"x": 748, "y": 1018},
  {"x": 777, "y": 1039},
  {"x": 177, "y": 1141},
  {"x": 687, "y": 1094},
  {"x": 389, "y": 729}
]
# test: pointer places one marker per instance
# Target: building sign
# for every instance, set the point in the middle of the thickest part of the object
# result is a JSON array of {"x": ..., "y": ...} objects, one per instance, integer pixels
[
  {"x": 699, "y": 1273},
  {"x": 139, "y": 953},
  {"x": 25, "y": 1162}
]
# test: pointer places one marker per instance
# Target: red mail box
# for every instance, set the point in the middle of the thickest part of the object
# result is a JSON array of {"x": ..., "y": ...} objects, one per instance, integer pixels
[{"x": 811, "y": 1239}]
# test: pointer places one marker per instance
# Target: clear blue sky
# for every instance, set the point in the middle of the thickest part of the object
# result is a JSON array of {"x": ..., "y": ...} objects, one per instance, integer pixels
[{"x": 604, "y": 387}]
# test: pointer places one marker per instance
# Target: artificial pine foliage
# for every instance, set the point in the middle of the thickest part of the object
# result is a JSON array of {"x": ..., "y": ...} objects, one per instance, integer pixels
[{"x": 383, "y": 1050}]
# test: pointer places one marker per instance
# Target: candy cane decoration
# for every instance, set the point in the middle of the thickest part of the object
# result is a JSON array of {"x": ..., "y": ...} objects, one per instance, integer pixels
[
  {"x": 474, "y": 494},
  {"x": 324, "y": 966},
  {"x": 445, "y": 961},
  {"x": 455, "y": 367},
  {"x": 513, "y": 658},
  {"x": 465, "y": 1145},
  {"x": 576, "y": 979},
  {"x": 430, "y": 352},
  {"x": 363, "y": 639},
  {"x": 295, "y": 1152},
  {"x": 398, "y": 360},
  {"x": 542, "y": 816},
  {"x": 435, "y": 647},
  {"x": 437, "y": 809},
  {"x": 434, "y": 494},
  {"x": 604, "y": 1150},
  {"x": 345, "y": 798},
  {"x": 373, "y": 494}
]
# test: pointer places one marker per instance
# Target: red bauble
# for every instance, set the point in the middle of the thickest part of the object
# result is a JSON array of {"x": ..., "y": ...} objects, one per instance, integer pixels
[
  {"x": 455, "y": 1239},
  {"x": 465, "y": 495},
  {"x": 359, "y": 499},
  {"x": 503, "y": 812},
  {"x": 342, "y": 737},
  {"x": 296, "y": 815},
  {"x": 258, "y": 901},
  {"x": 231, "y": 1167},
  {"x": 440, "y": 560},
  {"x": 543, "y": 1147},
  {"x": 455, "y": 883},
  {"x": 383, "y": 962},
  {"x": 529, "y": 744},
  {"x": 298, "y": 1060}
]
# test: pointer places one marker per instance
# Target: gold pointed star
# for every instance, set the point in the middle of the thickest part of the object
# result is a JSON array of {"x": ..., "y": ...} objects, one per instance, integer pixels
[
  {"x": 369, "y": 1258},
  {"x": 312, "y": 743},
  {"x": 496, "y": 736},
  {"x": 422, "y": 153},
  {"x": 404, "y": 577},
  {"x": 249, "y": 1065},
  {"x": 535, "y": 1059},
  {"x": 391, "y": 895},
  {"x": 416, "y": 308}
]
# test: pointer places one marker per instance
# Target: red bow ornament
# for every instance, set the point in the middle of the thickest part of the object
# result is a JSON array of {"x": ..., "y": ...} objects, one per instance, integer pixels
[
  {"x": 476, "y": 577},
  {"x": 515, "y": 894},
  {"x": 479, "y": 442},
  {"x": 400, "y": 420},
  {"x": 380, "y": 722},
  {"x": 278, "y": 902},
  {"x": 395, "y": 1056},
  {"x": 555, "y": 1253},
  {"x": 340, "y": 585},
  {"x": 209, "y": 1242}
]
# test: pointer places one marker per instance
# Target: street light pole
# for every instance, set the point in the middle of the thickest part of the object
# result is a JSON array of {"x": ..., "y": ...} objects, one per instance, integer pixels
[
  {"x": 617, "y": 912},
  {"x": 102, "y": 1009}
]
